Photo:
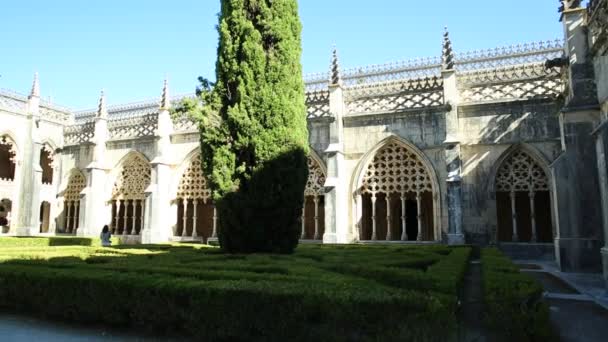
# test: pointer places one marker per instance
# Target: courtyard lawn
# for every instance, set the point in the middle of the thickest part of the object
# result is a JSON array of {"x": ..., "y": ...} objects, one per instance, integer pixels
[{"x": 363, "y": 292}]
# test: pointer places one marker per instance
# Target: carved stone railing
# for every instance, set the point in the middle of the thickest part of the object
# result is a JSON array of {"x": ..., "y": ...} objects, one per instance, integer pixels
[
  {"x": 410, "y": 69},
  {"x": 431, "y": 67},
  {"x": 395, "y": 96},
  {"x": 317, "y": 81},
  {"x": 317, "y": 104},
  {"x": 510, "y": 83},
  {"x": 12, "y": 101},
  {"x": 509, "y": 55},
  {"x": 79, "y": 133},
  {"x": 55, "y": 115},
  {"x": 133, "y": 127},
  {"x": 184, "y": 124}
]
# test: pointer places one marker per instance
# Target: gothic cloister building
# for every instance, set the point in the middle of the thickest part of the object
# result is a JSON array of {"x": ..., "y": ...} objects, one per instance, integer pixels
[{"x": 506, "y": 146}]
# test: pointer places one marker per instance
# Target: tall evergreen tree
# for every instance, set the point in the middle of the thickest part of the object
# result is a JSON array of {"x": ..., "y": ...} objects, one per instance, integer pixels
[{"x": 254, "y": 137}]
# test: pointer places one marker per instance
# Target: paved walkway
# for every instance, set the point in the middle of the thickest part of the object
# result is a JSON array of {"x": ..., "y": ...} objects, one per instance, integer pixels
[
  {"x": 15, "y": 328},
  {"x": 578, "y": 302}
]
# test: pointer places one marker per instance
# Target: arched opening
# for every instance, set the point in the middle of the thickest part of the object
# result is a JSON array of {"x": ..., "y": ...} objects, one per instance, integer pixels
[
  {"x": 128, "y": 196},
  {"x": 396, "y": 197},
  {"x": 5, "y": 215},
  {"x": 196, "y": 214},
  {"x": 7, "y": 159},
  {"x": 45, "y": 215},
  {"x": 71, "y": 204},
  {"x": 313, "y": 212},
  {"x": 46, "y": 163},
  {"x": 523, "y": 201}
]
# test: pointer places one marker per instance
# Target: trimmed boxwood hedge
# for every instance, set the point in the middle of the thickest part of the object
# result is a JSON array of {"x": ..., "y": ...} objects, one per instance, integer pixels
[
  {"x": 513, "y": 301},
  {"x": 48, "y": 241},
  {"x": 201, "y": 292}
]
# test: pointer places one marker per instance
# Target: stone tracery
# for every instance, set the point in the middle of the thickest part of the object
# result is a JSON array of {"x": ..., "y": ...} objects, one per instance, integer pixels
[
  {"x": 128, "y": 196},
  {"x": 313, "y": 213},
  {"x": 76, "y": 183},
  {"x": 197, "y": 216},
  {"x": 522, "y": 188},
  {"x": 396, "y": 175}
]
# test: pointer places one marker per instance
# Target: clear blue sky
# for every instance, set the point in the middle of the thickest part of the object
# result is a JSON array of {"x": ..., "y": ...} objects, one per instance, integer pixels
[{"x": 127, "y": 46}]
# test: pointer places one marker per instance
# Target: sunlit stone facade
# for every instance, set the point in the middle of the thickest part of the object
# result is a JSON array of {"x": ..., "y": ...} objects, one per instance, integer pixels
[{"x": 506, "y": 145}]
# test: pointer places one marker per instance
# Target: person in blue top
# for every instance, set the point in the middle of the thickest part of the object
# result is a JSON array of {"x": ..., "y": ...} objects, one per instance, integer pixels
[{"x": 106, "y": 236}]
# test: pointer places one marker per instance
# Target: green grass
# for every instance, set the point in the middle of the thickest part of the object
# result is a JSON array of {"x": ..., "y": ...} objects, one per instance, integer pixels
[
  {"x": 324, "y": 292},
  {"x": 513, "y": 300}
]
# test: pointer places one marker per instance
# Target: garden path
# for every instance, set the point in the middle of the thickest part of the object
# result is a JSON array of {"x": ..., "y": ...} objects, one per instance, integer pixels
[
  {"x": 578, "y": 302},
  {"x": 16, "y": 328}
]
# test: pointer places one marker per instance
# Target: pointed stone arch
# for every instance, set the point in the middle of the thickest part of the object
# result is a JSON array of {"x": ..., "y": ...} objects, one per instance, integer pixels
[
  {"x": 522, "y": 184},
  {"x": 129, "y": 194},
  {"x": 196, "y": 213},
  {"x": 313, "y": 211},
  {"x": 396, "y": 194},
  {"x": 47, "y": 163},
  {"x": 8, "y": 157},
  {"x": 76, "y": 183}
]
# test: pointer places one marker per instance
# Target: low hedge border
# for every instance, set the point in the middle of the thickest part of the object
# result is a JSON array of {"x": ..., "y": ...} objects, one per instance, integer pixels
[
  {"x": 258, "y": 297},
  {"x": 514, "y": 305}
]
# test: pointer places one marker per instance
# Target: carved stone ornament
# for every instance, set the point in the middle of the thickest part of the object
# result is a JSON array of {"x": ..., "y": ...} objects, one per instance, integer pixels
[{"x": 396, "y": 169}]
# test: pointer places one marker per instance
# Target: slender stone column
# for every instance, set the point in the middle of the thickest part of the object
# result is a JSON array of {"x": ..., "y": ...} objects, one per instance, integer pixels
[
  {"x": 515, "y": 237},
  {"x": 75, "y": 217},
  {"x": 185, "y": 218},
  {"x": 533, "y": 217},
  {"x": 142, "y": 216},
  {"x": 195, "y": 219},
  {"x": 68, "y": 220},
  {"x": 125, "y": 218},
  {"x": 374, "y": 233},
  {"x": 214, "y": 235},
  {"x": 403, "y": 218},
  {"x": 116, "y": 228},
  {"x": 303, "y": 235},
  {"x": 389, "y": 236},
  {"x": 358, "y": 214},
  {"x": 316, "y": 201},
  {"x": 134, "y": 218},
  {"x": 419, "y": 202}
]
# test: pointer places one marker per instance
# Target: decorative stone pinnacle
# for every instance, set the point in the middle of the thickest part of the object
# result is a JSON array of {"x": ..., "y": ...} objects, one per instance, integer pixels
[
  {"x": 569, "y": 4},
  {"x": 335, "y": 78},
  {"x": 102, "y": 111},
  {"x": 447, "y": 57},
  {"x": 35, "y": 87},
  {"x": 165, "y": 102}
]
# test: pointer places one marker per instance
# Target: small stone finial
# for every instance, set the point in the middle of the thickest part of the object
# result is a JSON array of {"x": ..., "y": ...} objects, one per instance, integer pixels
[
  {"x": 102, "y": 111},
  {"x": 35, "y": 87},
  {"x": 335, "y": 78},
  {"x": 447, "y": 56},
  {"x": 569, "y": 4},
  {"x": 165, "y": 102}
]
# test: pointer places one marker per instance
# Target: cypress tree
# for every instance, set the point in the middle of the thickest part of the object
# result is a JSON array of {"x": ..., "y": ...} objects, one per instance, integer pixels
[{"x": 254, "y": 138}]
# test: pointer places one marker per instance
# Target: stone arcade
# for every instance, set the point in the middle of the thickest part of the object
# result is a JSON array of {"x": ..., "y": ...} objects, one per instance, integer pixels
[{"x": 504, "y": 146}]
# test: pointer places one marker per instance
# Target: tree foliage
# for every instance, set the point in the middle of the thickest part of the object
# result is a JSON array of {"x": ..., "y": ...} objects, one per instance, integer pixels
[{"x": 253, "y": 126}]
